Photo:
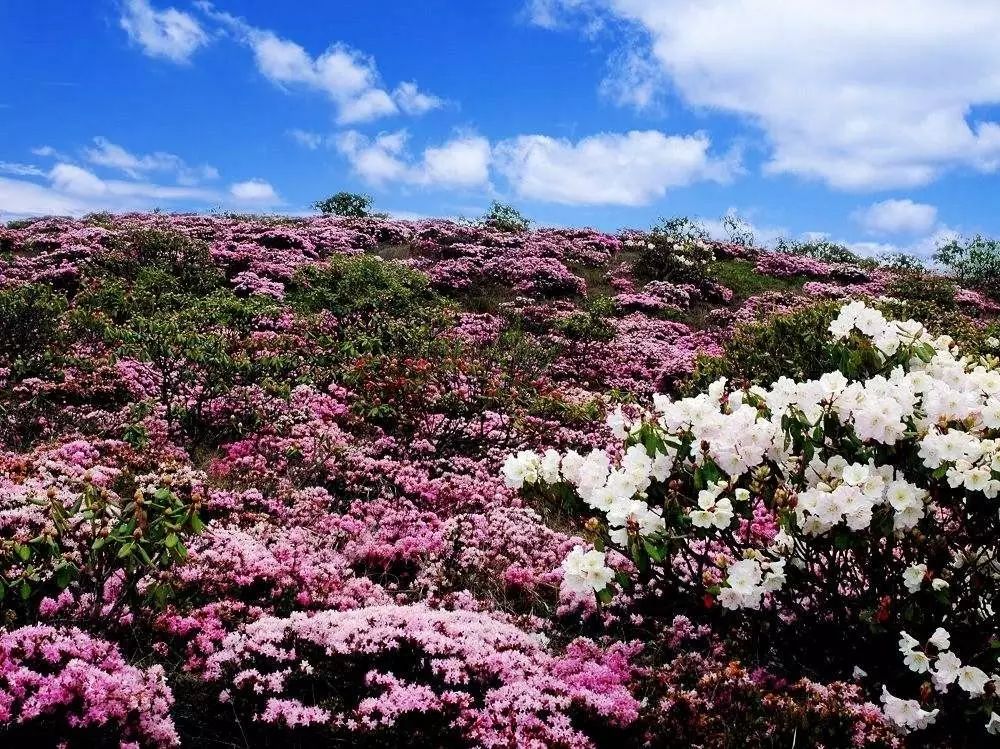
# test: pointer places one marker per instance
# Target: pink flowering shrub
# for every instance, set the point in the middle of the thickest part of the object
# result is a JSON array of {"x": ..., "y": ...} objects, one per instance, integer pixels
[
  {"x": 61, "y": 682},
  {"x": 456, "y": 672}
]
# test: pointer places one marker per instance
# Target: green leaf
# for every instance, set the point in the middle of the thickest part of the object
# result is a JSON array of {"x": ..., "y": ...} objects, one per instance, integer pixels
[
  {"x": 126, "y": 550},
  {"x": 170, "y": 541}
]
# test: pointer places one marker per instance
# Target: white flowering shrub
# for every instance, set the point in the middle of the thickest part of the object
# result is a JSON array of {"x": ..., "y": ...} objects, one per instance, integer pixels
[{"x": 848, "y": 526}]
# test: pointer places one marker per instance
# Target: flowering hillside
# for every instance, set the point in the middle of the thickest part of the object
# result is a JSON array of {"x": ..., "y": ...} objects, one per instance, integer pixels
[{"x": 365, "y": 482}]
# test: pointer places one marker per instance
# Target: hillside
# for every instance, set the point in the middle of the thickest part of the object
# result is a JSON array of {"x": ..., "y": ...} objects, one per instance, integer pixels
[{"x": 257, "y": 488}]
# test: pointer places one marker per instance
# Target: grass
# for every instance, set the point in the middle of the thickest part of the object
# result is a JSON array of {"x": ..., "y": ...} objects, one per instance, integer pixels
[{"x": 745, "y": 281}]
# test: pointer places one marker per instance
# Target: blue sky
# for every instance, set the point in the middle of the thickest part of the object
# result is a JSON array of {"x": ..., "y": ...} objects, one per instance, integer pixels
[{"x": 873, "y": 123}]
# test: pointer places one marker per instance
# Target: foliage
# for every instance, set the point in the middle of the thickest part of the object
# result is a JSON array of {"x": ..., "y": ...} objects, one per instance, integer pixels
[
  {"x": 975, "y": 262},
  {"x": 739, "y": 230},
  {"x": 347, "y": 204},
  {"x": 505, "y": 218},
  {"x": 795, "y": 344},
  {"x": 822, "y": 249},
  {"x": 676, "y": 250}
]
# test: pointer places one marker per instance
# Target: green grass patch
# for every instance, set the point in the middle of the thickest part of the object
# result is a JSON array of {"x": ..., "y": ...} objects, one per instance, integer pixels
[{"x": 745, "y": 282}]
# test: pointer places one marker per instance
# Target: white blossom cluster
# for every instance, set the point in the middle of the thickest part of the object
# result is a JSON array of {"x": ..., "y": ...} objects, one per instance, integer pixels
[{"x": 927, "y": 400}]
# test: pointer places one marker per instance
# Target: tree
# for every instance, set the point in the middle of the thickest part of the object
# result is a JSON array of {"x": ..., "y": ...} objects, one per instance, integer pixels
[
  {"x": 505, "y": 217},
  {"x": 350, "y": 204}
]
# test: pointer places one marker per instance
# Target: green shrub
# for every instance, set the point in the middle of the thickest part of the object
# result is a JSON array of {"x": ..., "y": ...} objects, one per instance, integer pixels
[
  {"x": 975, "y": 262},
  {"x": 505, "y": 217},
  {"x": 30, "y": 318},
  {"x": 919, "y": 287},
  {"x": 591, "y": 323},
  {"x": 174, "y": 259},
  {"x": 348, "y": 204},
  {"x": 795, "y": 345},
  {"x": 96, "y": 540},
  {"x": 676, "y": 250},
  {"x": 822, "y": 249},
  {"x": 739, "y": 231},
  {"x": 362, "y": 284}
]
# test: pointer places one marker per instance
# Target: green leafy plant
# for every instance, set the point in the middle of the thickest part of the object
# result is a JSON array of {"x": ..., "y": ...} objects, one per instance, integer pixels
[
  {"x": 95, "y": 539},
  {"x": 975, "y": 262},
  {"x": 505, "y": 217},
  {"x": 348, "y": 204}
]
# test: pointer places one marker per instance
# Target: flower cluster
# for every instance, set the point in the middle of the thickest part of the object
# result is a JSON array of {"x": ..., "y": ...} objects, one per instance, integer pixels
[{"x": 898, "y": 447}]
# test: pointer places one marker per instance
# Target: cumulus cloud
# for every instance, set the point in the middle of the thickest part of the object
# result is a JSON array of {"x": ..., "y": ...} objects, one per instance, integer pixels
[
  {"x": 463, "y": 161},
  {"x": 113, "y": 156},
  {"x": 860, "y": 95},
  {"x": 169, "y": 34},
  {"x": 347, "y": 76},
  {"x": 254, "y": 191},
  {"x": 628, "y": 169},
  {"x": 896, "y": 217}
]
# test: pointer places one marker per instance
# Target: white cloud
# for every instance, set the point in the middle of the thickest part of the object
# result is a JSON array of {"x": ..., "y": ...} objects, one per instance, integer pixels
[
  {"x": 21, "y": 170},
  {"x": 633, "y": 80},
  {"x": 170, "y": 34},
  {"x": 307, "y": 138},
  {"x": 630, "y": 169},
  {"x": 74, "y": 180},
  {"x": 414, "y": 101},
  {"x": 858, "y": 94},
  {"x": 463, "y": 161},
  {"x": 347, "y": 76},
  {"x": 896, "y": 217},
  {"x": 111, "y": 155},
  {"x": 73, "y": 190},
  {"x": 254, "y": 191}
]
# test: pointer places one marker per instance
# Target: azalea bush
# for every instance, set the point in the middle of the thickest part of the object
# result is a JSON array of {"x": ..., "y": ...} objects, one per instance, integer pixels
[{"x": 860, "y": 506}]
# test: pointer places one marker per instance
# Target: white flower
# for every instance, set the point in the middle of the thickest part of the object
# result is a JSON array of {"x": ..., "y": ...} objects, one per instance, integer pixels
[
  {"x": 712, "y": 511},
  {"x": 521, "y": 469},
  {"x": 993, "y": 724},
  {"x": 917, "y": 661},
  {"x": 586, "y": 572},
  {"x": 619, "y": 423},
  {"x": 945, "y": 670},
  {"x": 743, "y": 576},
  {"x": 906, "y": 713},
  {"x": 972, "y": 680},
  {"x": 549, "y": 467},
  {"x": 907, "y": 642},
  {"x": 913, "y": 577},
  {"x": 941, "y": 639}
]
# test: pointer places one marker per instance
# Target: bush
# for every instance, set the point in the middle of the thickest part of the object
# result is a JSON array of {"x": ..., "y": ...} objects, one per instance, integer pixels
[
  {"x": 975, "y": 262},
  {"x": 29, "y": 326},
  {"x": 506, "y": 218},
  {"x": 822, "y": 249},
  {"x": 348, "y": 204},
  {"x": 857, "y": 509},
  {"x": 677, "y": 250},
  {"x": 795, "y": 344},
  {"x": 739, "y": 231},
  {"x": 363, "y": 285},
  {"x": 173, "y": 258}
]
